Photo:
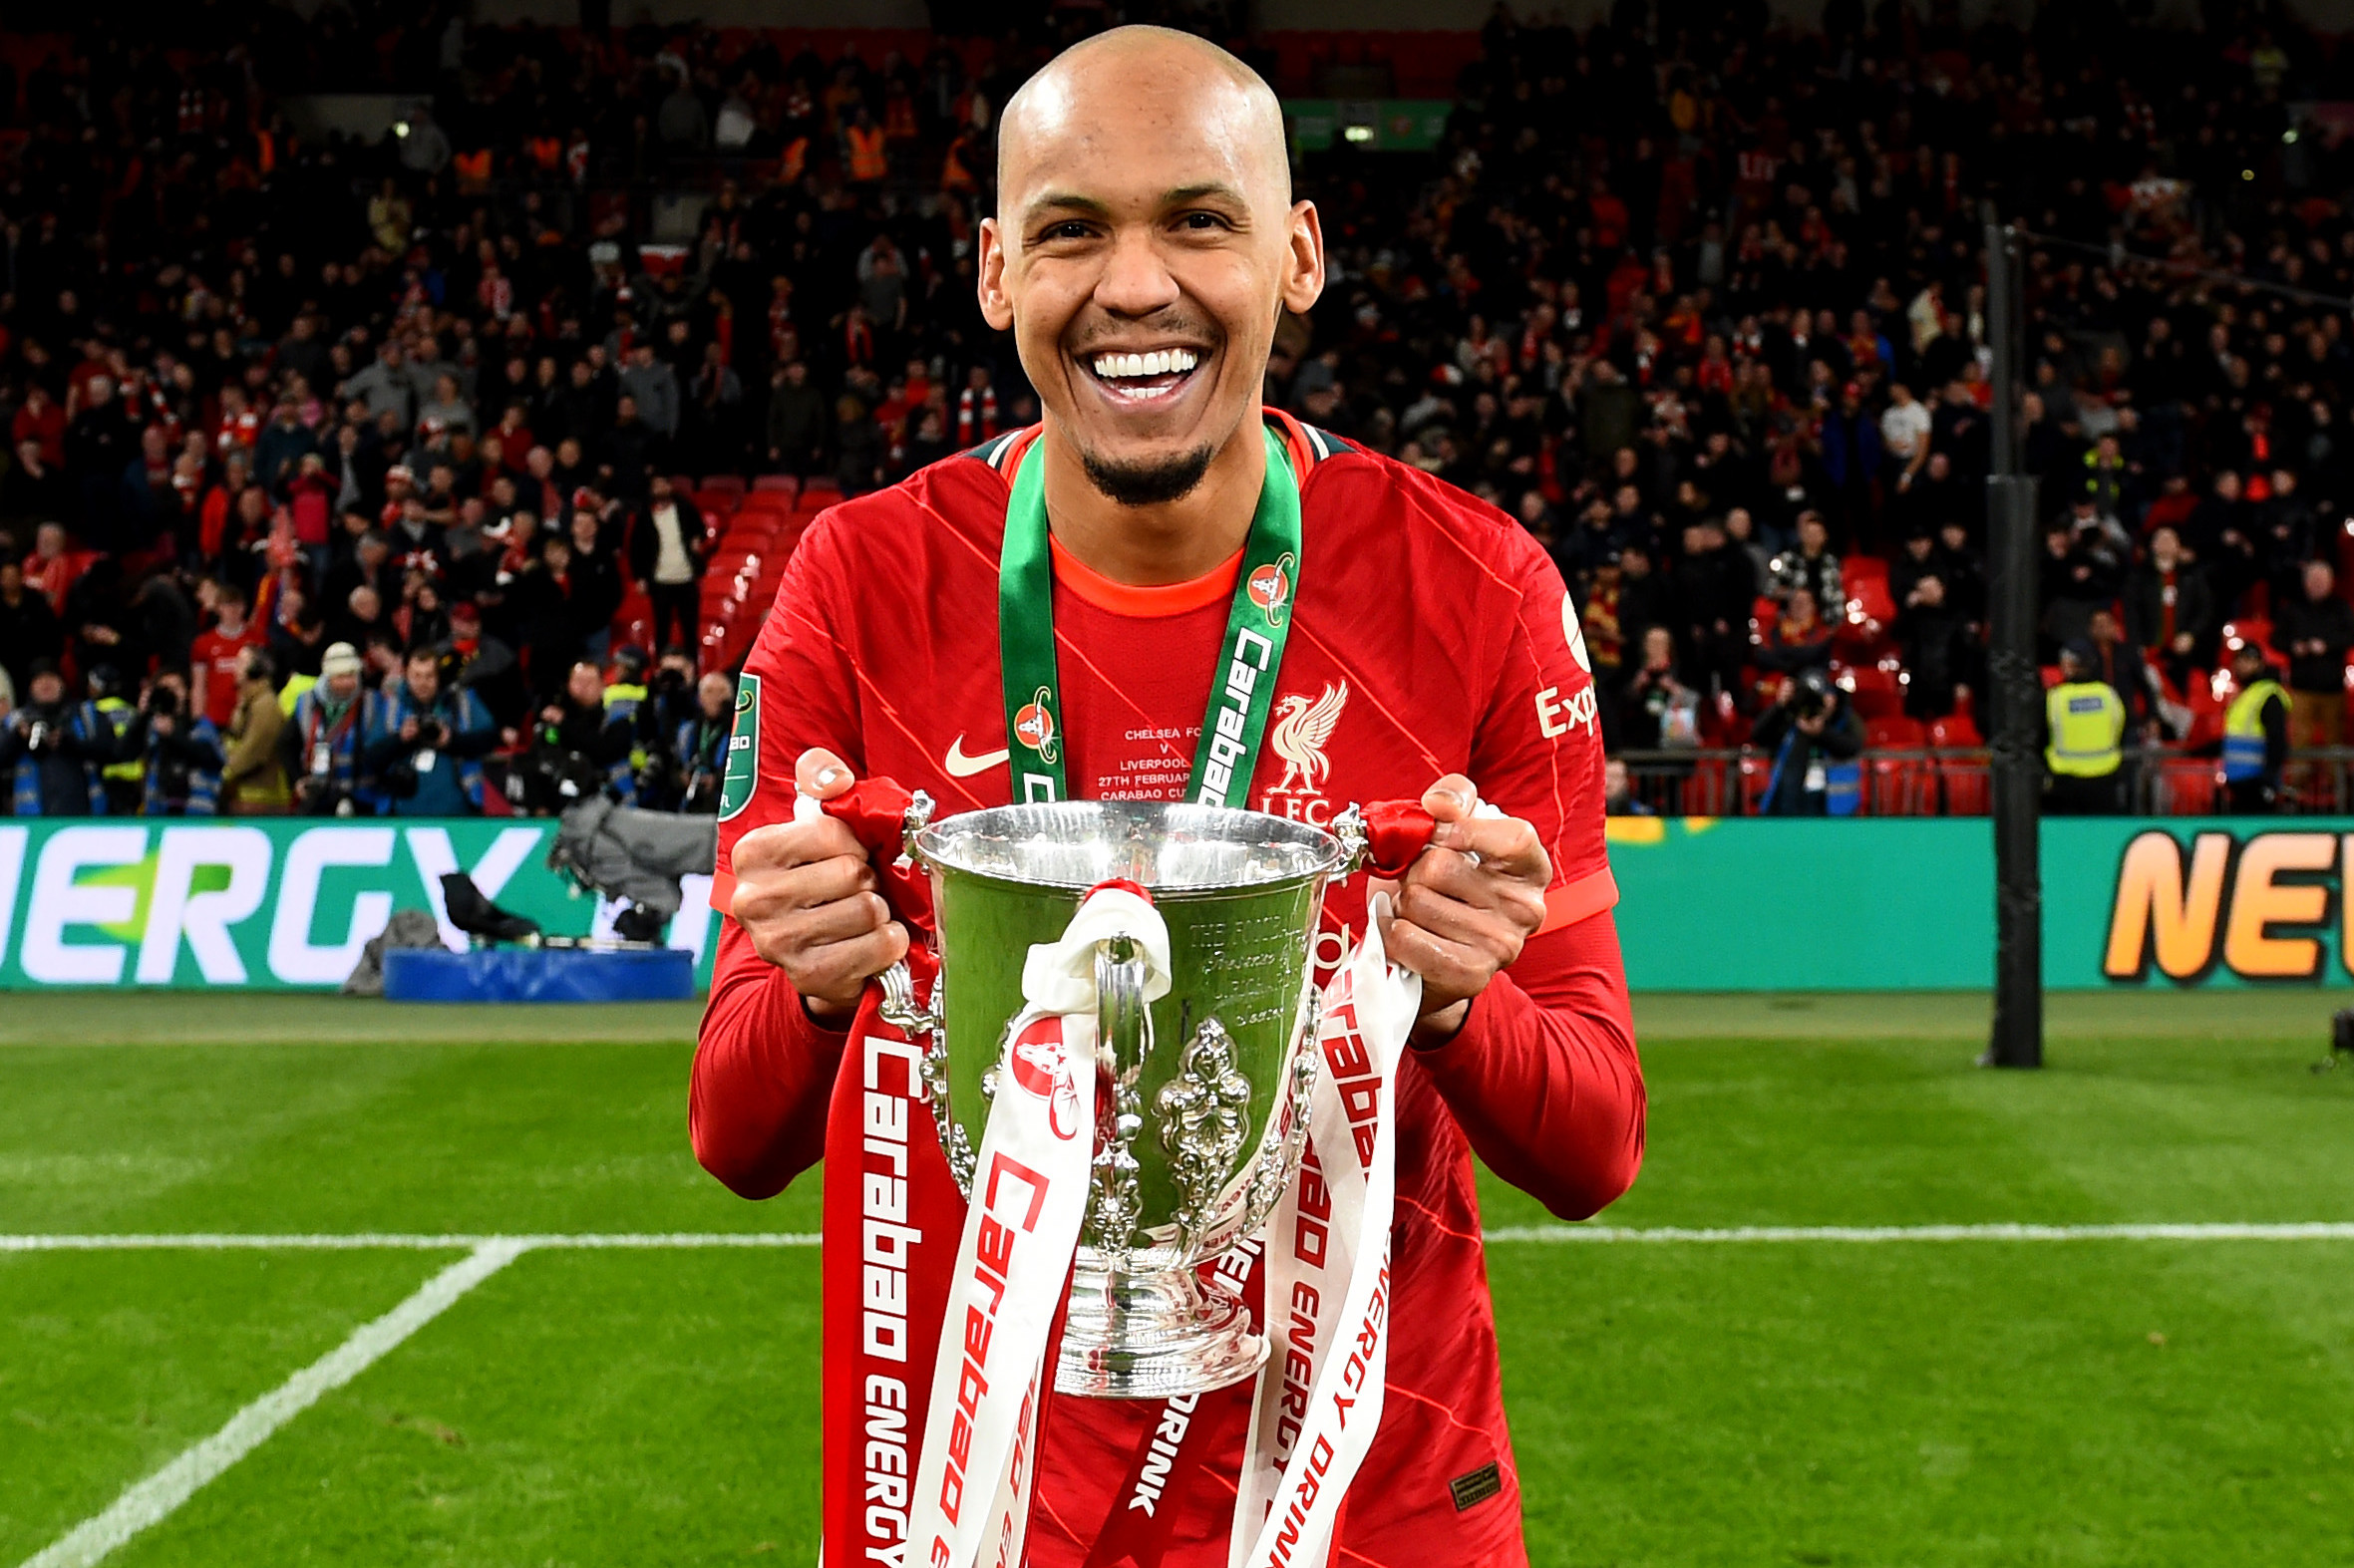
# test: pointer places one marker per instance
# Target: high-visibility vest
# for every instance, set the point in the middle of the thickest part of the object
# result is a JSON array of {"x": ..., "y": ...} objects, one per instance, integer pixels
[
  {"x": 868, "y": 160},
  {"x": 2243, "y": 729},
  {"x": 2087, "y": 721},
  {"x": 117, "y": 715}
]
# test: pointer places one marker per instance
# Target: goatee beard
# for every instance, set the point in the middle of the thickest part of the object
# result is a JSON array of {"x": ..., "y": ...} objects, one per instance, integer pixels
[{"x": 1149, "y": 484}]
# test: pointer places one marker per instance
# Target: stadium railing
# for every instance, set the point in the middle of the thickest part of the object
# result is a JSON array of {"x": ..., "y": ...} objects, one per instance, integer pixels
[{"x": 1953, "y": 781}]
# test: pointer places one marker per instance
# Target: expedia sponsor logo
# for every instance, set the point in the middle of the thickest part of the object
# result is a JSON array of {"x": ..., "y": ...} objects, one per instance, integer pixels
[
  {"x": 2257, "y": 907},
  {"x": 1557, "y": 714},
  {"x": 1270, "y": 588},
  {"x": 743, "y": 770},
  {"x": 1034, "y": 726}
]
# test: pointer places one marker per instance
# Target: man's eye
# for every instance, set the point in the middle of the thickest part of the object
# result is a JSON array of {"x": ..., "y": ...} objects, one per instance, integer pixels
[
  {"x": 1202, "y": 220},
  {"x": 1072, "y": 230}
]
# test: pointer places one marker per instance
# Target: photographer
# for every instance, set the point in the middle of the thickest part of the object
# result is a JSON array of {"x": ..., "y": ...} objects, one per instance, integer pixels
[
  {"x": 579, "y": 744},
  {"x": 1809, "y": 729},
  {"x": 253, "y": 778},
  {"x": 424, "y": 744},
  {"x": 320, "y": 745},
  {"x": 179, "y": 750},
  {"x": 698, "y": 746},
  {"x": 109, "y": 721},
  {"x": 52, "y": 751}
]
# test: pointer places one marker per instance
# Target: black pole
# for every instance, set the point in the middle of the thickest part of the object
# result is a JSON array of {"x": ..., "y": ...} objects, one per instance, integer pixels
[{"x": 2016, "y": 687}]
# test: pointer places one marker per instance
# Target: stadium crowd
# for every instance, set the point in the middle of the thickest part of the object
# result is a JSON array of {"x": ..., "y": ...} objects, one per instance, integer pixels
[{"x": 422, "y": 474}]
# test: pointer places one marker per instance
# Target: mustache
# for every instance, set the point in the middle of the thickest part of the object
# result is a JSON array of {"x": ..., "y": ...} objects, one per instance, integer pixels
[{"x": 1182, "y": 323}]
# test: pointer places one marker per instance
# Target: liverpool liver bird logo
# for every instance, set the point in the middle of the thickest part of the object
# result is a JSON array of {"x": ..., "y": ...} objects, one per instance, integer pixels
[{"x": 1302, "y": 726}]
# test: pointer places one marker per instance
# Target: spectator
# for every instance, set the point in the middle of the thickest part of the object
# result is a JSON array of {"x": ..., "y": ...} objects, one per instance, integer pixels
[
  {"x": 798, "y": 422},
  {"x": 667, "y": 554},
  {"x": 1657, "y": 711},
  {"x": 2317, "y": 630},
  {"x": 1619, "y": 796},
  {"x": 424, "y": 745},
  {"x": 2084, "y": 727},
  {"x": 2170, "y": 611},
  {"x": 1800, "y": 640},
  {"x": 1810, "y": 565},
  {"x": 1939, "y": 652},
  {"x": 215, "y": 654},
  {"x": 252, "y": 773},
  {"x": 29, "y": 633},
  {"x": 1810, "y": 731}
]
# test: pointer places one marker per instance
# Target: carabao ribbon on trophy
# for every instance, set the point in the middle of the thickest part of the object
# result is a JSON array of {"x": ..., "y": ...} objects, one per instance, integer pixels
[{"x": 947, "y": 1481}]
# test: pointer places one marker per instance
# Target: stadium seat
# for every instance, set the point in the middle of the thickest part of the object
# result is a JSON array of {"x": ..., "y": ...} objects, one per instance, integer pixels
[
  {"x": 2247, "y": 628},
  {"x": 782, "y": 484},
  {"x": 733, "y": 484},
  {"x": 1963, "y": 784},
  {"x": 1896, "y": 733},
  {"x": 1955, "y": 732},
  {"x": 2185, "y": 787},
  {"x": 1877, "y": 690}
]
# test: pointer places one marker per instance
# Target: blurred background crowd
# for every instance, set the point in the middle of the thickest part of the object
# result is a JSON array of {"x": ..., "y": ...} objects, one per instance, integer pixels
[{"x": 447, "y": 464}]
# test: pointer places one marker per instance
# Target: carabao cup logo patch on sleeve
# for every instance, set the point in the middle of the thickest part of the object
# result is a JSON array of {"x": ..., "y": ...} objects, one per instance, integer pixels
[
  {"x": 1270, "y": 588},
  {"x": 743, "y": 771}
]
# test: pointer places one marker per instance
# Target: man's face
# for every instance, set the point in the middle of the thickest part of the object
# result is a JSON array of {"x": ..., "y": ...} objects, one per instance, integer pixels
[
  {"x": 1145, "y": 243},
  {"x": 49, "y": 689},
  {"x": 716, "y": 695},
  {"x": 425, "y": 679},
  {"x": 2319, "y": 580},
  {"x": 586, "y": 686},
  {"x": 342, "y": 688}
]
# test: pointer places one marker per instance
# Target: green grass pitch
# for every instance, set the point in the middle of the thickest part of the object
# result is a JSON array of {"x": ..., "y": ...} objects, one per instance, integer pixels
[{"x": 2075, "y": 1402}]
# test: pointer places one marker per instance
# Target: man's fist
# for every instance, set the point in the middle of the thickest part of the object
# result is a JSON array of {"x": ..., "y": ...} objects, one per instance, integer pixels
[
  {"x": 1466, "y": 904},
  {"x": 805, "y": 894}
]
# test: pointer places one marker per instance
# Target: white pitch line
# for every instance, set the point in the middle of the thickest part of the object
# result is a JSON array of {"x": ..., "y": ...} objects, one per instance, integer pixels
[
  {"x": 1504, "y": 1235},
  {"x": 150, "y": 1501},
  {"x": 1867, "y": 1234}
]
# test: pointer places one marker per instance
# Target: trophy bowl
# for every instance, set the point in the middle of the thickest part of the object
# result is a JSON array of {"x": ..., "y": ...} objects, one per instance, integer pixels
[{"x": 1203, "y": 1093}]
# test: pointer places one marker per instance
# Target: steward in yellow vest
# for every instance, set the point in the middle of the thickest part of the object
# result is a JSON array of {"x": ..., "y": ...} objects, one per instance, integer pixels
[
  {"x": 2084, "y": 729},
  {"x": 2255, "y": 734}
]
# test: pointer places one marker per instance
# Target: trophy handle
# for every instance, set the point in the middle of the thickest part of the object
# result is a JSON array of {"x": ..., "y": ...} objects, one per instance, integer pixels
[
  {"x": 1384, "y": 837},
  {"x": 1123, "y": 1038}
]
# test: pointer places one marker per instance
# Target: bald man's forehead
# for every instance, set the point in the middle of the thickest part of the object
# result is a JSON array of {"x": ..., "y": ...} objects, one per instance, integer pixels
[{"x": 1098, "y": 108}]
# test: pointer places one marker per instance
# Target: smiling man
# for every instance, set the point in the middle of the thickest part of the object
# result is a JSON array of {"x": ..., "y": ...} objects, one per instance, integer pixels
[{"x": 1043, "y": 617}]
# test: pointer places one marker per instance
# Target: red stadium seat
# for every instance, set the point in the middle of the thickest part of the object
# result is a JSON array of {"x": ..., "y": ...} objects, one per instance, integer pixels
[
  {"x": 2185, "y": 787},
  {"x": 2247, "y": 628},
  {"x": 733, "y": 484},
  {"x": 1965, "y": 786},
  {"x": 1896, "y": 733},
  {"x": 785, "y": 483},
  {"x": 1955, "y": 732},
  {"x": 1875, "y": 688}
]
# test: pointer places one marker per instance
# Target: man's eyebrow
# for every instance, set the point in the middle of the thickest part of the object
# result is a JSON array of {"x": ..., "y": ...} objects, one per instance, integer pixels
[
  {"x": 1065, "y": 201},
  {"x": 1217, "y": 188}
]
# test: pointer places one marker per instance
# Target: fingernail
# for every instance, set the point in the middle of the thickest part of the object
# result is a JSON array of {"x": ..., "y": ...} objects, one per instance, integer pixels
[{"x": 827, "y": 776}]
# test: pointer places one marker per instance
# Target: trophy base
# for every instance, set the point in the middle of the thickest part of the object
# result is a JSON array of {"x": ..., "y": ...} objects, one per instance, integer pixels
[{"x": 1154, "y": 1336}]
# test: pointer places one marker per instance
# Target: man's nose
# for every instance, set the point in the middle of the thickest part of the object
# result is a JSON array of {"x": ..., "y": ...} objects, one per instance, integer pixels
[{"x": 1135, "y": 280}]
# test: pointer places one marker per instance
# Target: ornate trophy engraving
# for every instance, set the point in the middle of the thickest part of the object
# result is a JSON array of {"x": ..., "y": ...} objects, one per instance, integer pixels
[{"x": 1203, "y": 1093}]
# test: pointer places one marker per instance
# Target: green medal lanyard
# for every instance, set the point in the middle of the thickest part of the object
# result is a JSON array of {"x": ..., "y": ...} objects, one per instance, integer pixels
[{"x": 1242, "y": 686}]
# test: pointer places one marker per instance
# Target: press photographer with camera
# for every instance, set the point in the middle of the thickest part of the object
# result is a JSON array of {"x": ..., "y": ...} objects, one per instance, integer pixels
[
  {"x": 320, "y": 744},
  {"x": 698, "y": 746},
  {"x": 178, "y": 750},
  {"x": 426, "y": 742},
  {"x": 1810, "y": 730},
  {"x": 53, "y": 750},
  {"x": 578, "y": 746}
]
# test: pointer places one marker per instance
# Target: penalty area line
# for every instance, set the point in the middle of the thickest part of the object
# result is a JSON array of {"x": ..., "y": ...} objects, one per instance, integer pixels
[{"x": 149, "y": 1502}]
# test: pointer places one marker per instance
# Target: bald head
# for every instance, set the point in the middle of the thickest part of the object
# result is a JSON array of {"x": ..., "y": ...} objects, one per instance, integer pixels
[{"x": 1187, "y": 84}]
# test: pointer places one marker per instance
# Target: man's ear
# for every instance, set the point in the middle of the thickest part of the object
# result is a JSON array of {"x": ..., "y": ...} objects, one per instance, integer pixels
[
  {"x": 997, "y": 307},
  {"x": 1303, "y": 259}
]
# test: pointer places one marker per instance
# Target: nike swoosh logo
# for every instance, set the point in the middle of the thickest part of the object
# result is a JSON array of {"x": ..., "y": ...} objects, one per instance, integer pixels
[{"x": 960, "y": 765}]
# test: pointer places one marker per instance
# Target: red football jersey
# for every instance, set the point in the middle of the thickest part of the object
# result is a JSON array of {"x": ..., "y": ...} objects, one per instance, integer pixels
[
  {"x": 1431, "y": 635},
  {"x": 215, "y": 658}
]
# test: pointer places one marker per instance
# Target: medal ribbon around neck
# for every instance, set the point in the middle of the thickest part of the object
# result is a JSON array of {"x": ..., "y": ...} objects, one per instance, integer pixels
[{"x": 1243, "y": 684}]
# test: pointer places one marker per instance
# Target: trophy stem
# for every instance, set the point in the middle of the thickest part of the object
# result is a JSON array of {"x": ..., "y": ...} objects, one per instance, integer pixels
[{"x": 1152, "y": 1334}]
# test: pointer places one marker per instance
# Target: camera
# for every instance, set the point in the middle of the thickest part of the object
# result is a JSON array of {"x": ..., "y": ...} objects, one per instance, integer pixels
[
  {"x": 37, "y": 738},
  {"x": 1812, "y": 694}
]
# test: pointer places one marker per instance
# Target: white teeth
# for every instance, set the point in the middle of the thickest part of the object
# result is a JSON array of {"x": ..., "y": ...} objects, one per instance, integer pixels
[{"x": 1162, "y": 362}]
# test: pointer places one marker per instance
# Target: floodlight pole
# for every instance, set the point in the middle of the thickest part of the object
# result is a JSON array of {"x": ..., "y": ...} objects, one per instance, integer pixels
[{"x": 2016, "y": 687}]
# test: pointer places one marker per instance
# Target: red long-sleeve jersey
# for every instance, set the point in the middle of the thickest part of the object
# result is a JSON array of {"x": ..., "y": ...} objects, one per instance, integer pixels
[{"x": 1431, "y": 635}]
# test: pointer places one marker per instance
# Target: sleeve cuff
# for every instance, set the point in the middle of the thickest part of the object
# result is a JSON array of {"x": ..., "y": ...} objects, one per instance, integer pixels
[{"x": 1566, "y": 904}]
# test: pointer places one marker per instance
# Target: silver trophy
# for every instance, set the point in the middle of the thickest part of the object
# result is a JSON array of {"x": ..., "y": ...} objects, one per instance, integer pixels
[{"x": 1206, "y": 1088}]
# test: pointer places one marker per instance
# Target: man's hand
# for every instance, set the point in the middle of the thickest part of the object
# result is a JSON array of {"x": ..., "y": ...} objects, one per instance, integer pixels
[
  {"x": 1458, "y": 920},
  {"x": 805, "y": 894}
]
